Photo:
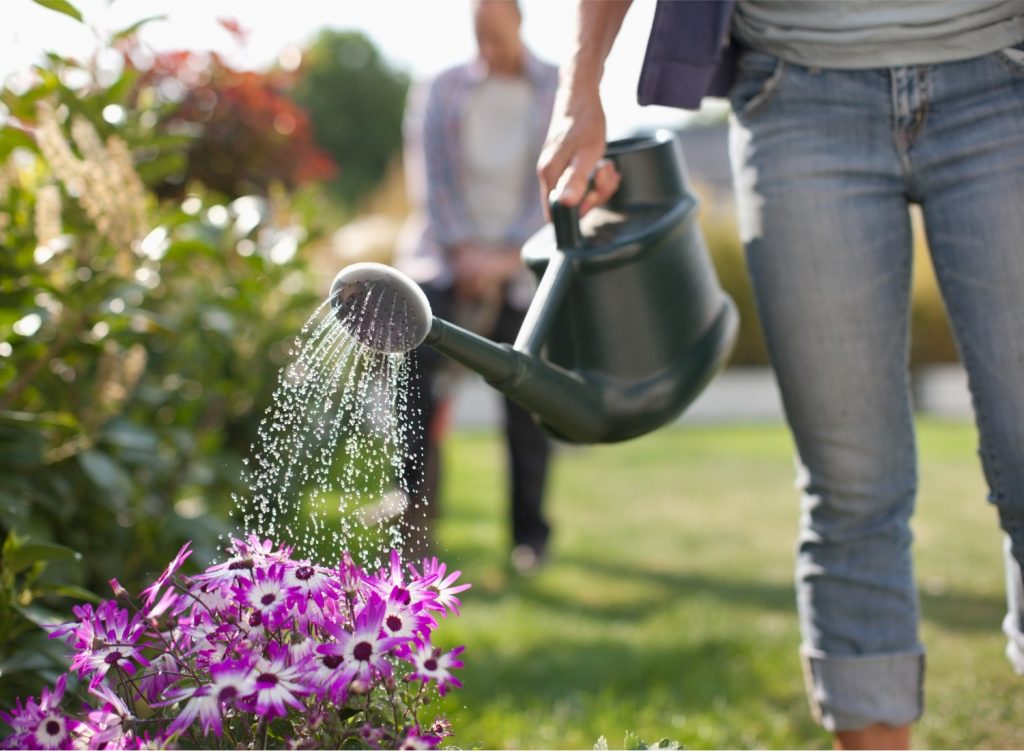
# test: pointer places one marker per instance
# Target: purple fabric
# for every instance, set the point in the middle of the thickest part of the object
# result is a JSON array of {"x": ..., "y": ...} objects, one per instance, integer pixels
[{"x": 688, "y": 53}]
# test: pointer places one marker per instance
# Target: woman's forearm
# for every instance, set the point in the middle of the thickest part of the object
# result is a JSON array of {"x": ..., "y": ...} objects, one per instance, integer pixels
[{"x": 598, "y": 24}]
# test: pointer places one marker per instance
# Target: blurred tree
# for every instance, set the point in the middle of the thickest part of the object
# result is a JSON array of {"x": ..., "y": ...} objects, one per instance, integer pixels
[
  {"x": 355, "y": 102},
  {"x": 247, "y": 134}
]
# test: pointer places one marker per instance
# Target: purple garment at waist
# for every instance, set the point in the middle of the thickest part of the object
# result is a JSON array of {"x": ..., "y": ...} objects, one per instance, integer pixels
[{"x": 688, "y": 53}]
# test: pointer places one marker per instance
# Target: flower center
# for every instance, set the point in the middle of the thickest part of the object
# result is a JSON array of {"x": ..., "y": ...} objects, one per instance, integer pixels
[
  {"x": 362, "y": 651},
  {"x": 267, "y": 679},
  {"x": 268, "y": 598},
  {"x": 113, "y": 658},
  {"x": 394, "y": 623},
  {"x": 304, "y": 573},
  {"x": 430, "y": 664},
  {"x": 255, "y": 619},
  {"x": 53, "y": 728},
  {"x": 332, "y": 661},
  {"x": 227, "y": 693}
]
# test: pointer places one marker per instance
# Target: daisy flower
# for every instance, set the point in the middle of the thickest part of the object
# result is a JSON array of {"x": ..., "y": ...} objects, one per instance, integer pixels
[
  {"x": 164, "y": 669},
  {"x": 309, "y": 582},
  {"x": 151, "y": 592},
  {"x": 104, "y": 639},
  {"x": 266, "y": 594},
  {"x": 431, "y": 665},
  {"x": 230, "y": 682},
  {"x": 350, "y": 576},
  {"x": 41, "y": 724},
  {"x": 363, "y": 651},
  {"x": 434, "y": 574},
  {"x": 278, "y": 684},
  {"x": 416, "y": 739},
  {"x": 247, "y": 555},
  {"x": 401, "y": 621},
  {"x": 104, "y": 726},
  {"x": 417, "y": 590}
]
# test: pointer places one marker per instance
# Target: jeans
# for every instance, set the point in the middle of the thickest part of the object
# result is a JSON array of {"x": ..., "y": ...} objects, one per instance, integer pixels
[{"x": 826, "y": 164}]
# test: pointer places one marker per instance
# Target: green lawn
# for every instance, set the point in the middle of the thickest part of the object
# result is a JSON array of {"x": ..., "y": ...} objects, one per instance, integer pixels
[{"x": 667, "y": 608}]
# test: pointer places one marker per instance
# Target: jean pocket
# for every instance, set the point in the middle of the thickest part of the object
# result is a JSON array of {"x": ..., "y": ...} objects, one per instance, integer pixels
[
  {"x": 758, "y": 76},
  {"x": 1013, "y": 58}
]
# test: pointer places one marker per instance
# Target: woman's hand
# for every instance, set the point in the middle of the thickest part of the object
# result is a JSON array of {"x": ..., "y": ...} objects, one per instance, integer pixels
[{"x": 570, "y": 166}]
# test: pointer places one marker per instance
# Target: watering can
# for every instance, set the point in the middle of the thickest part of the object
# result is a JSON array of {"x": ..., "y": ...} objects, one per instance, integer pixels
[{"x": 627, "y": 326}]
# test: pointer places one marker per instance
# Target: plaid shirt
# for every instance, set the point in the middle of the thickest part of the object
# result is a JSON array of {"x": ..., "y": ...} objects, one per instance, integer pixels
[{"x": 434, "y": 164}]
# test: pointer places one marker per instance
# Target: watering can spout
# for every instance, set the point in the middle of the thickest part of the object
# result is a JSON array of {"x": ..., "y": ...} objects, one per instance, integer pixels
[
  {"x": 626, "y": 328},
  {"x": 387, "y": 312}
]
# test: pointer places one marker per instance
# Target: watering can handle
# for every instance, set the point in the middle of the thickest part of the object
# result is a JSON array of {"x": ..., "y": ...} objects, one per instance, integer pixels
[{"x": 566, "y": 221}]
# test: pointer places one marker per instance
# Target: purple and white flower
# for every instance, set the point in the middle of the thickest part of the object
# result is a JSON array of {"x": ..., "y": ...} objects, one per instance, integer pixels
[
  {"x": 417, "y": 590},
  {"x": 106, "y": 725},
  {"x": 266, "y": 595},
  {"x": 150, "y": 593},
  {"x": 363, "y": 651},
  {"x": 402, "y": 620},
  {"x": 430, "y": 664},
  {"x": 309, "y": 583},
  {"x": 105, "y": 639},
  {"x": 230, "y": 683},
  {"x": 433, "y": 572},
  {"x": 40, "y": 724},
  {"x": 257, "y": 639},
  {"x": 415, "y": 738},
  {"x": 278, "y": 684}
]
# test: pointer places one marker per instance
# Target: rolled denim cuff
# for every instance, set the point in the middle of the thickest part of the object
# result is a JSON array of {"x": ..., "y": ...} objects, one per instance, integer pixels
[
  {"x": 855, "y": 691},
  {"x": 1014, "y": 643},
  {"x": 1013, "y": 623}
]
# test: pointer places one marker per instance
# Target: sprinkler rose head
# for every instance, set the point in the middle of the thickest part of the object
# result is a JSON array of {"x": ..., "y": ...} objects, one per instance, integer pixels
[{"x": 381, "y": 307}]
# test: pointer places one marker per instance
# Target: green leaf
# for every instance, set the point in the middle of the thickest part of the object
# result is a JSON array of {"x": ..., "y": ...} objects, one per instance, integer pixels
[
  {"x": 168, "y": 142},
  {"x": 128, "y": 31},
  {"x": 39, "y": 616},
  {"x": 67, "y": 590},
  {"x": 127, "y": 435},
  {"x": 24, "y": 661},
  {"x": 13, "y": 508},
  {"x": 21, "y": 556},
  {"x": 108, "y": 476},
  {"x": 23, "y": 106},
  {"x": 163, "y": 166},
  {"x": 12, "y": 138},
  {"x": 61, "y": 6},
  {"x": 50, "y": 419}
]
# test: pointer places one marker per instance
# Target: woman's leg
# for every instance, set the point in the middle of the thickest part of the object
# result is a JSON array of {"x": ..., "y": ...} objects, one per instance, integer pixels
[
  {"x": 969, "y": 169},
  {"x": 824, "y": 219}
]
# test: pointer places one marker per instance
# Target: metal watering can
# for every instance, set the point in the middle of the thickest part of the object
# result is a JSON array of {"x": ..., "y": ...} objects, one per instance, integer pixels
[{"x": 627, "y": 326}]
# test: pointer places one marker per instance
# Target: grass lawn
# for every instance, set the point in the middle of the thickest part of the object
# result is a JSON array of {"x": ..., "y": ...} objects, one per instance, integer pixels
[{"x": 668, "y": 607}]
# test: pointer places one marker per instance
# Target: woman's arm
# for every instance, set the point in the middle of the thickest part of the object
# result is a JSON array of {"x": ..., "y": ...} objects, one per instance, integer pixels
[{"x": 576, "y": 137}]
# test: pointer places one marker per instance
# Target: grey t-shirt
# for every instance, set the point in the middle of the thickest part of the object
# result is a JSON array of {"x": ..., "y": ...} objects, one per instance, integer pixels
[{"x": 878, "y": 33}]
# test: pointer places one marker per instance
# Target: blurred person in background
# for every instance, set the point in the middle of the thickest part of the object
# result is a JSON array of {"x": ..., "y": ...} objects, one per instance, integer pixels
[
  {"x": 843, "y": 116},
  {"x": 473, "y": 136}
]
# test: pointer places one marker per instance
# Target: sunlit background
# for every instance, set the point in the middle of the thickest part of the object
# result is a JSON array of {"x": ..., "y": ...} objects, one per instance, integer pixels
[{"x": 419, "y": 36}]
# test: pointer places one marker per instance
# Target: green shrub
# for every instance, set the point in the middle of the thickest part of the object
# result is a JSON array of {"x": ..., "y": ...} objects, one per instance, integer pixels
[{"x": 140, "y": 340}]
